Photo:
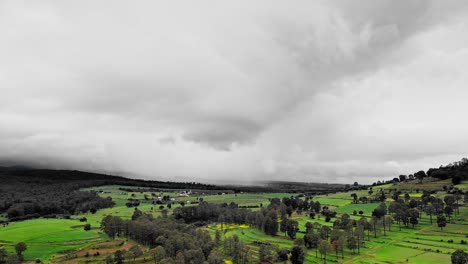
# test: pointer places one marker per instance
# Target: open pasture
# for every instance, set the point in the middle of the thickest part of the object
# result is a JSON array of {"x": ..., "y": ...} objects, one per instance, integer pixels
[
  {"x": 47, "y": 237},
  {"x": 425, "y": 243}
]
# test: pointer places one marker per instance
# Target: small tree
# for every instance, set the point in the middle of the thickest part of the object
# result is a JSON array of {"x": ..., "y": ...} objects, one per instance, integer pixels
[
  {"x": 20, "y": 248},
  {"x": 109, "y": 260},
  {"x": 336, "y": 247},
  {"x": 413, "y": 214},
  {"x": 216, "y": 257},
  {"x": 164, "y": 212},
  {"x": 217, "y": 239},
  {"x": 283, "y": 254},
  {"x": 119, "y": 256},
  {"x": 325, "y": 248},
  {"x": 297, "y": 255},
  {"x": 402, "y": 178},
  {"x": 180, "y": 258},
  {"x": 158, "y": 253},
  {"x": 266, "y": 253},
  {"x": 292, "y": 228},
  {"x": 420, "y": 175},
  {"x": 430, "y": 210},
  {"x": 352, "y": 244},
  {"x": 135, "y": 252},
  {"x": 136, "y": 214},
  {"x": 87, "y": 227},
  {"x": 441, "y": 221},
  {"x": 3, "y": 255},
  {"x": 459, "y": 257}
]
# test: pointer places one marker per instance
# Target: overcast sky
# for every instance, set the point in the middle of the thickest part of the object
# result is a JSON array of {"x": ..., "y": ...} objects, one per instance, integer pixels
[{"x": 317, "y": 91}]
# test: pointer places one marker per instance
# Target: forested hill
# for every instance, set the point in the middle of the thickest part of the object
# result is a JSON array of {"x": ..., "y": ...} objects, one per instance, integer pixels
[
  {"x": 87, "y": 179},
  {"x": 456, "y": 171},
  {"x": 30, "y": 193}
]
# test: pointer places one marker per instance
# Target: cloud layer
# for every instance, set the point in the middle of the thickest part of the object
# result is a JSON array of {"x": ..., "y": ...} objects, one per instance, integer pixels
[{"x": 326, "y": 91}]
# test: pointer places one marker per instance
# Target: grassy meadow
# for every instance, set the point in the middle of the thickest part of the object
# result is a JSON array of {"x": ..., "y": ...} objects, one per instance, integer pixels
[
  {"x": 424, "y": 244},
  {"x": 47, "y": 237},
  {"x": 65, "y": 241}
]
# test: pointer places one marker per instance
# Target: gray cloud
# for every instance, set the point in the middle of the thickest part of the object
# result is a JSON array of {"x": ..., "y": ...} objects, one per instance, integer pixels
[{"x": 311, "y": 91}]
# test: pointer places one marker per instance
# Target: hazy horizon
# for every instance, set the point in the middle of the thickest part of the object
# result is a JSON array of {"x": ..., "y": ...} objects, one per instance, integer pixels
[{"x": 318, "y": 91}]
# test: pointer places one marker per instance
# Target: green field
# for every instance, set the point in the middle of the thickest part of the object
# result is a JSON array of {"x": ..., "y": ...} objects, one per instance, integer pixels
[
  {"x": 46, "y": 237},
  {"x": 121, "y": 197},
  {"x": 425, "y": 244},
  {"x": 51, "y": 238}
]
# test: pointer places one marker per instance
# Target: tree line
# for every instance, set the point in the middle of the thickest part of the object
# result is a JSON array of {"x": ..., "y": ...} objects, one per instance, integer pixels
[{"x": 456, "y": 171}]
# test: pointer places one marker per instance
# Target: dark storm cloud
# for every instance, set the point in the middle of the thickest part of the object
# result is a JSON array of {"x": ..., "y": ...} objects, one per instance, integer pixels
[{"x": 314, "y": 90}]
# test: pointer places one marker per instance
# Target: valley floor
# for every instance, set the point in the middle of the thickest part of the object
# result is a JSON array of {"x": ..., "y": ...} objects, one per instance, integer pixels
[{"x": 65, "y": 241}]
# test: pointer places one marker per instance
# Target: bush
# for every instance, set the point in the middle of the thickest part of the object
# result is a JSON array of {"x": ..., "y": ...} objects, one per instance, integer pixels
[
  {"x": 283, "y": 255},
  {"x": 456, "y": 180},
  {"x": 87, "y": 227}
]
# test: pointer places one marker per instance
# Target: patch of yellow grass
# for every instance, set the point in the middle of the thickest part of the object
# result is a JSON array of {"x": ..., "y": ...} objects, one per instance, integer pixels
[{"x": 228, "y": 226}]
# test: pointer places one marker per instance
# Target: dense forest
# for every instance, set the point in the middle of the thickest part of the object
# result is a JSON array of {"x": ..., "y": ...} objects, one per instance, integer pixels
[{"x": 171, "y": 240}]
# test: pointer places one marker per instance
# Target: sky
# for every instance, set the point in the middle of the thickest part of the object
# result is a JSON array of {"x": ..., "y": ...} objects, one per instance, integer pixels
[{"x": 234, "y": 92}]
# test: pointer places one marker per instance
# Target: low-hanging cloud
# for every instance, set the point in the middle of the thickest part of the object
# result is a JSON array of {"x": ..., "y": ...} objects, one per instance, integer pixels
[{"x": 240, "y": 91}]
